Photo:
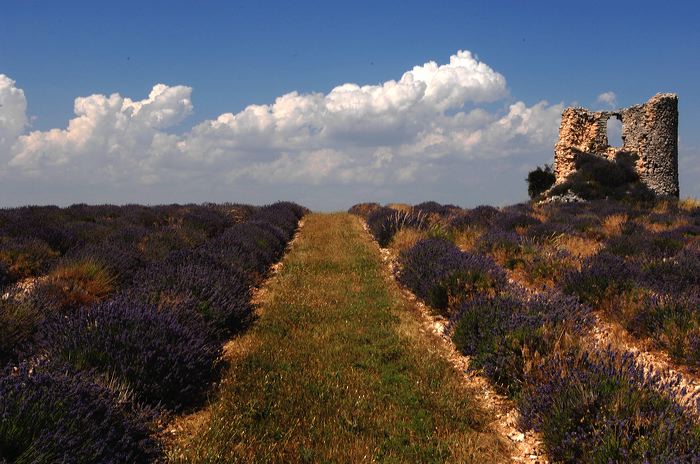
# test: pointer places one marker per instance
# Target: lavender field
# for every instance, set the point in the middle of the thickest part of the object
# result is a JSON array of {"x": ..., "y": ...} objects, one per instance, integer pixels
[
  {"x": 118, "y": 324},
  {"x": 112, "y": 319}
]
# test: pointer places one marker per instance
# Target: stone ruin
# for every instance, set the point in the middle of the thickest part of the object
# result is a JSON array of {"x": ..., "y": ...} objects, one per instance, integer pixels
[{"x": 649, "y": 134}]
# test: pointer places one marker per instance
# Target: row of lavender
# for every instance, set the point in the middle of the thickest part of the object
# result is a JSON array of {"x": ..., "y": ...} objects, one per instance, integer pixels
[
  {"x": 638, "y": 263},
  {"x": 114, "y": 317},
  {"x": 589, "y": 406}
]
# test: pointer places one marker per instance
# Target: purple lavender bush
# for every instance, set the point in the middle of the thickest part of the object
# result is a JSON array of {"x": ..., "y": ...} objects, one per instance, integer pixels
[
  {"x": 163, "y": 359},
  {"x": 285, "y": 215},
  {"x": 605, "y": 208},
  {"x": 512, "y": 220},
  {"x": 90, "y": 213},
  {"x": 128, "y": 235},
  {"x": 605, "y": 409},
  {"x": 687, "y": 231},
  {"x": 666, "y": 218},
  {"x": 161, "y": 241},
  {"x": 44, "y": 223},
  {"x": 19, "y": 320},
  {"x": 637, "y": 243},
  {"x": 148, "y": 217},
  {"x": 258, "y": 247},
  {"x": 600, "y": 275},
  {"x": 435, "y": 208},
  {"x": 214, "y": 279},
  {"x": 59, "y": 415},
  {"x": 504, "y": 245},
  {"x": 678, "y": 274},
  {"x": 84, "y": 232},
  {"x": 579, "y": 217},
  {"x": 220, "y": 296},
  {"x": 227, "y": 256},
  {"x": 279, "y": 235},
  {"x": 439, "y": 272},
  {"x": 503, "y": 333},
  {"x": 481, "y": 216},
  {"x": 207, "y": 219},
  {"x": 297, "y": 210},
  {"x": 238, "y": 212}
]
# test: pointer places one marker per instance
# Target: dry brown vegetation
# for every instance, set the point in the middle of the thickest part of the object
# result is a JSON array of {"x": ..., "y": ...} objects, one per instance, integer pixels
[
  {"x": 405, "y": 207},
  {"x": 406, "y": 238},
  {"x": 79, "y": 283}
]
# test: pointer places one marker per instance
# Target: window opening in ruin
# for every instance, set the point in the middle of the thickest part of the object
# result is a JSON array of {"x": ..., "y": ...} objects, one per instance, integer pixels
[{"x": 614, "y": 132}]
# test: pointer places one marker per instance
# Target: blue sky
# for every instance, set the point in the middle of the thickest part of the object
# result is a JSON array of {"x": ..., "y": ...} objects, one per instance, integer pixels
[{"x": 234, "y": 54}]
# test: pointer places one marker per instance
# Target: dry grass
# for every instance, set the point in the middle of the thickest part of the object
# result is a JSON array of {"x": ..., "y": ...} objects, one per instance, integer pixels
[
  {"x": 365, "y": 209},
  {"x": 405, "y": 207},
  {"x": 406, "y": 238},
  {"x": 340, "y": 371},
  {"x": 540, "y": 212},
  {"x": 623, "y": 306},
  {"x": 612, "y": 225},
  {"x": 26, "y": 261},
  {"x": 664, "y": 206},
  {"x": 466, "y": 238},
  {"x": 689, "y": 203},
  {"x": 580, "y": 247},
  {"x": 79, "y": 283},
  {"x": 657, "y": 227}
]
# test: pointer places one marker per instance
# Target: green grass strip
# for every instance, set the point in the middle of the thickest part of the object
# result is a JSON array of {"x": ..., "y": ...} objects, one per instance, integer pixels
[{"x": 337, "y": 369}]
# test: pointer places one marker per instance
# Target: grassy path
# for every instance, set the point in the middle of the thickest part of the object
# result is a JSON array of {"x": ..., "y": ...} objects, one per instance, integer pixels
[{"x": 337, "y": 370}]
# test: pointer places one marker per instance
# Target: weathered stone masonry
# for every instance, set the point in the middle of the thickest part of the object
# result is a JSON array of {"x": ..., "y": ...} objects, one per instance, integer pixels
[{"x": 649, "y": 131}]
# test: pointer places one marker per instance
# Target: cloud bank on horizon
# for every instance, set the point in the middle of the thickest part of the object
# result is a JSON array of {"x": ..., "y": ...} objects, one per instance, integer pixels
[{"x": 429, "y": 128}]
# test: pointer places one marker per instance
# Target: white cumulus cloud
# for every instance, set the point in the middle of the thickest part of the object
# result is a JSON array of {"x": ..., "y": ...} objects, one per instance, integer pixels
[
  {"x": 13, "y": 115},
  {"x": 607, "y": 98},
  {"x": 361, "y": 137},
  {"x": 108, "y": 135}
]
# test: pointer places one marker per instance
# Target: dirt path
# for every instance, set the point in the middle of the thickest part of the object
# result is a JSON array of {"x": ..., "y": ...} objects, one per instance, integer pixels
[{"x": 338, "y": 368}]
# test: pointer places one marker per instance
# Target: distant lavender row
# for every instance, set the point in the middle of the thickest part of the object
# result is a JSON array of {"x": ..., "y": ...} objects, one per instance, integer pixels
[
  {"x": 33, "y": 238},
  {"x": 154, "y": 341}
]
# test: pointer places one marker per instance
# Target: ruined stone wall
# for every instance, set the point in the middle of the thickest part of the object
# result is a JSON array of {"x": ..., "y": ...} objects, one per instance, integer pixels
[{"x": 650, "y": 131}]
